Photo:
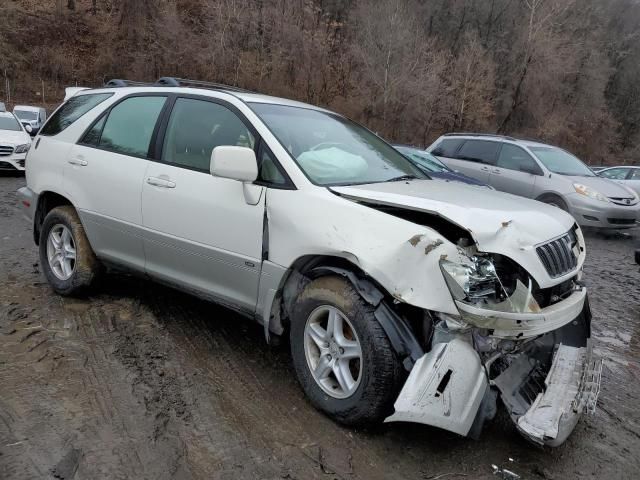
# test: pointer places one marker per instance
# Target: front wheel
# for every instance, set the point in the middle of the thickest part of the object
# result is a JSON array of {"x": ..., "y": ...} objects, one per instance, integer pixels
[
  {"x": 66, "y": 257},
  {"x": 342, "y": 356}
]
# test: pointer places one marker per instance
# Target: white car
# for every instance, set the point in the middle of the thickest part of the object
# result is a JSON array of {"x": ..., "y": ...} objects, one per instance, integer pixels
[
  {"x": 404, "y": 299},
  {"x": 14, "y": 143}
]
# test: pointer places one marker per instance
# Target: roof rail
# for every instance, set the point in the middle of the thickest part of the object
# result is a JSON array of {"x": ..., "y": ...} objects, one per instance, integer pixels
[
  {"x": 462, "y": 134},
  {"x": 117, "y": 82},
  {"x": 185, "y": 82}
]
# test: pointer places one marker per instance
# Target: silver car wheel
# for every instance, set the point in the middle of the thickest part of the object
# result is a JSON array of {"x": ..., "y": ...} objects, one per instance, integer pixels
[
  {"x": 333, "y": 351},
  {"x": 61, "y": 251}
]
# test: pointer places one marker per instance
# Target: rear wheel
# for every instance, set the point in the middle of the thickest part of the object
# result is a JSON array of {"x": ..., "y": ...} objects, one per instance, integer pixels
[
  {"x": 342, "y": 356},
  {"x": 66, "y": 257}
]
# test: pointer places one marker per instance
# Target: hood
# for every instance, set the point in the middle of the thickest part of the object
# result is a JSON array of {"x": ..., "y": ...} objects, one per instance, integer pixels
[
  {"x": 499, "y": 222},
  {"x": 606, "y": 187},
  {"x": 455, "y": 177},
  {"x": 14, "y": 138}
]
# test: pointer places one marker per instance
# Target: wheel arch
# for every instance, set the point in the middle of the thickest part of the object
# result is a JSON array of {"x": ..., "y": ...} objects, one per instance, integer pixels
[
  {"x": 47, "y": 201},
  {"x": 398, "y": 320}
]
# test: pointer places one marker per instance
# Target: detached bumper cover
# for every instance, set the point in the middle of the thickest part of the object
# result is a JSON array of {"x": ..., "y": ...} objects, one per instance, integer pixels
[
  {"x": 28, "y": 201},
  {"x": 571, "y": 388}
]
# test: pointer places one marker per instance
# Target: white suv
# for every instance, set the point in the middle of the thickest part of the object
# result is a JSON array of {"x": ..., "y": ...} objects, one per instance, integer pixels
[{"x": 395, "y": 291}]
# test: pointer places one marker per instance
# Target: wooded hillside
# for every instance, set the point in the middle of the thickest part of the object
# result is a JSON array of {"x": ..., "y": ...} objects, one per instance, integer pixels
[{"x": 566, "y": 71}]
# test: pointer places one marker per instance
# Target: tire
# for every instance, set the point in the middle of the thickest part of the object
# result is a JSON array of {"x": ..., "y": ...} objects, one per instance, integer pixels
[
  {"x": 378, "y": 371},
  {"x": 83, "y": 268},
  {"x": 555, "y": 202}
]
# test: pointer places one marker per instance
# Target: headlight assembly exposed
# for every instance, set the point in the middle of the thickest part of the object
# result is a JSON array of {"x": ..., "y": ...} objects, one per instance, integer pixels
[
  {"x": 476, "y": 282},
  {"x": 589, "y": 192},
  {"x": 22, "y": 148}
]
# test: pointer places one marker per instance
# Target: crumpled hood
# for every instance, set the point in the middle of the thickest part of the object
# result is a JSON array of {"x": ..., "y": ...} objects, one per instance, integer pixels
[
  {"x": 9, "y": 137},
  {"x": 499, "y": 222},
  {"x": 606, "y": 187}
]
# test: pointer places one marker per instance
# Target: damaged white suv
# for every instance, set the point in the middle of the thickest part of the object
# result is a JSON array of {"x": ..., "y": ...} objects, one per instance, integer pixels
[{"x": 404, "y": 299}]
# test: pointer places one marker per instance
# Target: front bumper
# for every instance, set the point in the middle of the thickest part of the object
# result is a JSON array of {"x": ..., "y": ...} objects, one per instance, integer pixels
[
  {"x": 546, "y": 381},
  {"x": 589, "y": 212},
  {"x": 13, "y": 162}
]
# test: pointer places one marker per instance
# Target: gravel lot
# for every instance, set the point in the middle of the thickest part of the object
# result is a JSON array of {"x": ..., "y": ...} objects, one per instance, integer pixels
[{"x": 139, "y": 381}]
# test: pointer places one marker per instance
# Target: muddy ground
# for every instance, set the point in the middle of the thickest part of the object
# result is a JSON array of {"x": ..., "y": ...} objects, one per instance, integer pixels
[{"x": 139, "y": 381}]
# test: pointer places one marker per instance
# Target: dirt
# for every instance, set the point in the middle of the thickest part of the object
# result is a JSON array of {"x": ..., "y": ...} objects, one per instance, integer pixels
[{"x": 139, "y": 381}]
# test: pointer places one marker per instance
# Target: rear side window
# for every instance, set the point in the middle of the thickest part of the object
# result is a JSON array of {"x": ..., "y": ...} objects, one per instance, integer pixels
[
  {"x": 129, "y": 126},
  {"x": 636, "y": 174},
  {"x": 480, "y": 151},
  {"x": 447, "y": 147},
  {"x": 615, "y": 173},
  {"x": 71, "y": 111}
]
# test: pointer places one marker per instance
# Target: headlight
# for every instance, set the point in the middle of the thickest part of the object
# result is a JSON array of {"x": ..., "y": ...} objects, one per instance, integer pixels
[
  {"x": 22, "y": 148},
  {"x": 589, "y": 192},
  {"x": 477, "y": 283}
]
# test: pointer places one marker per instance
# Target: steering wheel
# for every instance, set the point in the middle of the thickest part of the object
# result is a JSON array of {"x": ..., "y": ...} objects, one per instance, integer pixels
[{"x": 322, "y": 145}]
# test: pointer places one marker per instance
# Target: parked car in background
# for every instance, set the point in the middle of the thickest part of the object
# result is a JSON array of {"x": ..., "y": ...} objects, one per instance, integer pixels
[
  {"x": 14, "y": 143},
  {"x": 628, "y": 176},
  {"x": 596, "y": 168},
  {"x": 542, "y": 172},
  {"x": 404, "y": 299},
  {"x": 3, "y": 108},
  {"x": 433, "y": 167},
  {"x": 31, "y": 117}
]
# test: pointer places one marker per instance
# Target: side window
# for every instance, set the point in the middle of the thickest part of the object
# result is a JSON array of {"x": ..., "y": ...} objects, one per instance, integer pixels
[
  {"x": 481, "y": 151},
  {"x": 92, "y": 137},
  {"x": 268, "y": 171},
  {"x": 615, "y": 173},
  {"x": 196, "y": 127},
  {"x": 447, "y": 147},
  {"x": 71, "y": 111},
  {"x": 129, "y": 126},
  {"x": 635, "y": 175},
  {"x": 515, "y": 158}
]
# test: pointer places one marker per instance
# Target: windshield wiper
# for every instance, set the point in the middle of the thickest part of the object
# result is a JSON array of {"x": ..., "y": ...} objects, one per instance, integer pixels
[{"x": 402, "y": 177}]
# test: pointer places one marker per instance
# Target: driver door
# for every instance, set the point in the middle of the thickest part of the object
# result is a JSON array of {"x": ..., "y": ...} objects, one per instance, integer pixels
[{"x": 200, "y": 232}]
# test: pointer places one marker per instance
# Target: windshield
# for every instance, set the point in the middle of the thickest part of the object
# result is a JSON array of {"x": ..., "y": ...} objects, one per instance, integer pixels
[
  {"x": 9, "y": 123},
  {"x": 561, "y": 162},
  {"x": 332, "y": 150},
  {"x": 24, "y": 115},
  {"x": 424, "y": 160}
]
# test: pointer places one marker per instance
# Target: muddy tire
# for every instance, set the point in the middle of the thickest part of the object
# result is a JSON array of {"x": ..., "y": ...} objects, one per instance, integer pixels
[
  {"x": 66, "y": 257},
  {"x": 348, "y": 370}
]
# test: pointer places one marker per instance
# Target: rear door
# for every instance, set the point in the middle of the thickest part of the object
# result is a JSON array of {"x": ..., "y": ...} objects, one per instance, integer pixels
[
  {"x": 200, "y": 231},
  {"x": 474, "y": 158},
  {"x": 104, "y": 175},
  {"x": 515, "y": 171}
]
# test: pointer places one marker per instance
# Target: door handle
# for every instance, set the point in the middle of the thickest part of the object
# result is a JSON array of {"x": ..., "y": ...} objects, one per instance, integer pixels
[
  {"x": 485, "y": 169},
  {"x": 496, "y": 170},
  {"x": 80, "y": 161},
  {"x": 161, "y": 182}
]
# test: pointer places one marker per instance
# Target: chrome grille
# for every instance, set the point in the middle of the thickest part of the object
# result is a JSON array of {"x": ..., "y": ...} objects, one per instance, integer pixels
[
  {"x": 557, "y": 256},
  {"x": 5, "y": 150}
]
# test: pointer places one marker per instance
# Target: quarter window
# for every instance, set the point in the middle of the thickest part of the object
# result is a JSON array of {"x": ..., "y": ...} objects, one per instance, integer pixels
[
  {"x": 480, "y": 151},
  {"x": 196, "y": 127},
  {"x": 515, "y": 158},
  {"x": 71, "y": 111},
  {"x": 268, "y": 168},
  {"x": 129, "y": 126},
  {"x": 635, "y": 175}
]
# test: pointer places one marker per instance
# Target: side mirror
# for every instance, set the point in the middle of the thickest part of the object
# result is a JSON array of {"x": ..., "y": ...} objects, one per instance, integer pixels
[{"x": 236, "y": 163}]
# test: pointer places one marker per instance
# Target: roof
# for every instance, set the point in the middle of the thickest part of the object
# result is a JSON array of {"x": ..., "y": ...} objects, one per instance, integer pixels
[
  {"x": 27, "y": 108},
  {"x": 497, "y": 137}
]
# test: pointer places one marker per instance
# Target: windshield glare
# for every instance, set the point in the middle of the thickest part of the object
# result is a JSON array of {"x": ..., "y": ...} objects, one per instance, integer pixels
[
  {"x": 9, "y": 123},
  {"x": 424, "y": 160},
  {"x": 24, "y": 115},
  {"x": 332, "y": 150},
  {"x": 561, "y": 162}
]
